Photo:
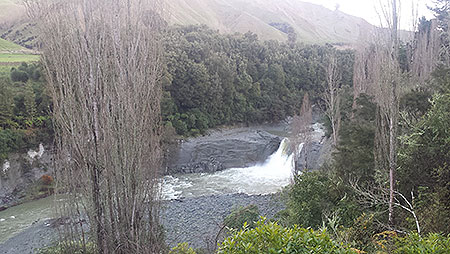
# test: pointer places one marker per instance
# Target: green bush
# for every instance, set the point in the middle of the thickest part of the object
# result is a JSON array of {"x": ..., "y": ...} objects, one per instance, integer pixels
[
  {"x": 19, "y": 76},
  {"x": 248, "y": 214},
  {"x": 273, "y": 238},
  {"x": 360, "y": 234},
  {"x": 10, "y": 140},
  {"x": 182, "y": 248},
  {"x": 413, "y": 243},
  {"x": 315, "y": 196}
]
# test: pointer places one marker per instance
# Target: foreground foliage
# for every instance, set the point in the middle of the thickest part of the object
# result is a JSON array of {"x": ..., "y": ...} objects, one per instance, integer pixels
[
  {"x": 432, "y": 243},
  {"x": 273, "y": 238}
]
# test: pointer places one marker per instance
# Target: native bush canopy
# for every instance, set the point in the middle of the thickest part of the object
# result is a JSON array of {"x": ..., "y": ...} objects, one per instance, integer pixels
[{"x": 213, "y": 79}]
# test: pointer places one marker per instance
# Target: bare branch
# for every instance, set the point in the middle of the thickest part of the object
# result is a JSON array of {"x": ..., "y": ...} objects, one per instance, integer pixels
[{"x": 103, "y": 62}]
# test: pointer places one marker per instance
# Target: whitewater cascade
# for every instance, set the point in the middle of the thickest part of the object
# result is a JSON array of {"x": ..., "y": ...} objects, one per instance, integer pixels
[{"x": 265, "y": 178}]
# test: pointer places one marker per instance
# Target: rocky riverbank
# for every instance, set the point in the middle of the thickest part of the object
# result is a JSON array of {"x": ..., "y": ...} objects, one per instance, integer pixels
[
  {"x": 193, "y": 220},
  {"x": 199, "y": 220}
]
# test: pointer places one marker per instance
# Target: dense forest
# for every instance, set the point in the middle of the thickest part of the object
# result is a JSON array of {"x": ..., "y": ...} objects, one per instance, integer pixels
[
  {"x": 210, "y": 79},
  {"x": 213, "y": 79},
  {"x": 24, "y": 109}
]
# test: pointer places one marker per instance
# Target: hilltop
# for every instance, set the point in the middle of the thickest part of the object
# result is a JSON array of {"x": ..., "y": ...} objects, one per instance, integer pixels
[{"x": 270, "y": 19}]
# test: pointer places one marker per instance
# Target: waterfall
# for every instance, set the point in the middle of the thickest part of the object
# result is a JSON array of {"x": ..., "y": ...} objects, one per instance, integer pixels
[{"x": 268, "y": 177}]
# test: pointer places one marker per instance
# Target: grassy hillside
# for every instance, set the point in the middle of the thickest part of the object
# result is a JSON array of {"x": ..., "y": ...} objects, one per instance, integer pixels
[
  {"x": 11, "y": 53},
  {"x": 6, "y": 58},
  {"x": 22, "y": 33},
  {"x": 312, "y": 23},
  {"x": 9, "y": 46}
]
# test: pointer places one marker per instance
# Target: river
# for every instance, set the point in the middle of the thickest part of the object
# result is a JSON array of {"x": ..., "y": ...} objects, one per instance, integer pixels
[
  {"x": 268, "y": 177},
  {"x": 18, "y": 218},
  {"x": 265, "y": 178}
]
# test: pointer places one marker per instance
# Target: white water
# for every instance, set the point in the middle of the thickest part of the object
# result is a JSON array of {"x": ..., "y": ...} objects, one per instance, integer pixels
[{"x": 266, "y": 178}]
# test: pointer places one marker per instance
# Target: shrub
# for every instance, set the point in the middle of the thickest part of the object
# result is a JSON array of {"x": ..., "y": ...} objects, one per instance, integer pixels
[
  {"x": 10, "y": 141},
  {"x": 273, "y": 238},
  {"x": 182, "y": 248},
  {"x": 360, "y": 234},
  {"x": 237, "y": 218},
  {"x": 413, "y": 243},
  {"x": 19, "y": 76},
  {"x": 313, "y": 196}
]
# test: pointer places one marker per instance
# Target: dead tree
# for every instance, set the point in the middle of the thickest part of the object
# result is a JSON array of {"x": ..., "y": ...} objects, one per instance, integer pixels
[
  {"x": 103, "y": 60},
  {"x": 301, "y": 134},
  {"x": 332, "y": 95},
  {"x": 376, "y": 196}
]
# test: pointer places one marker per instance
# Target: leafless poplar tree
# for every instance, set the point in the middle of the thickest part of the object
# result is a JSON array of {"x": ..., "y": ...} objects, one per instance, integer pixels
[
  {"x": 425, "y": 54},
  {"x": 443, "y": 24},
  {"x": 103, "y": 62},
  {"x": 300, "y": 134},
  {"x": 332, "y": 95},
  {"x": 386, "y": 81},
  {"x": 362, "y": 74}
]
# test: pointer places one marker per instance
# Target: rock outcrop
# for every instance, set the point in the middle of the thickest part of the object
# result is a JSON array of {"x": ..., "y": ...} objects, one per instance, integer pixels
[
  {"x": 21, "y": 170},
  {"x": 220, "y": 150}
]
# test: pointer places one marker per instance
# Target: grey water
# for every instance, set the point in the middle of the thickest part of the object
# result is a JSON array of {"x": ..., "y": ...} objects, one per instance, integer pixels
[{"x": 18, "y": 218}]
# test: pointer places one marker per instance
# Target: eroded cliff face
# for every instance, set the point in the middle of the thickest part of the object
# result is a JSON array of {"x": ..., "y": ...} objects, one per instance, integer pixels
[{"x": 21, "y": 170}]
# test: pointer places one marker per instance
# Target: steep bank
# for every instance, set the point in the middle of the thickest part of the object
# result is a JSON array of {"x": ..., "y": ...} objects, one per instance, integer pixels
[{"x": 20, "y": 171}]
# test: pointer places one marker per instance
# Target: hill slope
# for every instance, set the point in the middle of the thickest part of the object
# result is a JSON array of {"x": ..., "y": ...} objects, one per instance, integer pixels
[
  {"x": 7, "y": 46},
  {"x": 10, "y": 10},
  {"x": 312, "y": 23},
  {"x": 11, "y": 53},
  {"x": 269, "y": 19}
]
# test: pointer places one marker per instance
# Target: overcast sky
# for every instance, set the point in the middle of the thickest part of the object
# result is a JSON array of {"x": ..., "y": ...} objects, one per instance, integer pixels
[{"x": 366, "y": 9}]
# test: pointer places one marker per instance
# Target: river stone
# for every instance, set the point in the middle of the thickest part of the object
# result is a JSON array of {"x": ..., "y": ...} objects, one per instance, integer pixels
[{"x": 241, "y": 147}]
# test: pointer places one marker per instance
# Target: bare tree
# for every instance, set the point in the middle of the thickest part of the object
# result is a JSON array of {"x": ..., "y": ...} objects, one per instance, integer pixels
[
  {"x": 362, "y": 74},
  {"x": 103, "y": 62},
  {"x": 425, "y": 50},
  {"x": 300, "y": 134},
  {"x": 332, "y": 95},
  {"x": 386, "y": 80},
  {"x": 441, "y": 10}
]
